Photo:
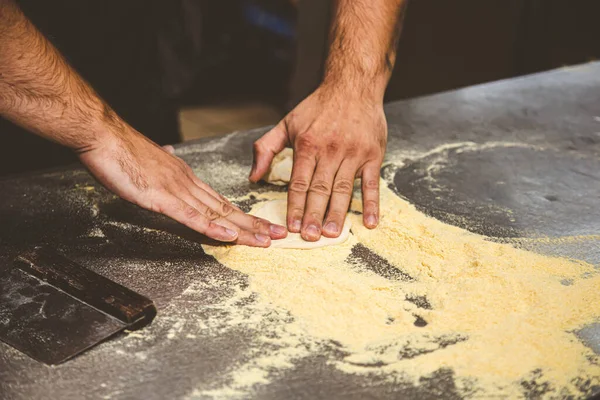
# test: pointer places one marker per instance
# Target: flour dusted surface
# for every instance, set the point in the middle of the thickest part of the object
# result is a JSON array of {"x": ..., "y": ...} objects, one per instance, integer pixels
[{"x": 497, "y": 316}]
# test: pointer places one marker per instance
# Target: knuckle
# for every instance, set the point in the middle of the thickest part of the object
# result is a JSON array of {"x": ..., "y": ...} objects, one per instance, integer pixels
[
  {"x": 211, "y": 214},
  {"x": 213, "y": 230},
  {"x": 264, "y": 223},
  {"x": 371, "y": 184},
  {"x": 163, "y": 202},
  {"x": 320, "y": 186},
  {"x": 257, "y": 223},
  {"x": 296, "y": 211},
  {"x": 351, "y": 151},
  {"x": 152, "y": 203},
  {"x": 371, "y": 205},
  {"x": 190, "y": 212},
  {"x": 225, "y": 209},
  {"x": 369, "y": 152},
  {"x": 343, "y": 186},
  {"x": 370, "y": 148},
  {"x": 299, "y": 185},
  {"x": 332, "y": 148},
  {"x": 305, "y": 144}
]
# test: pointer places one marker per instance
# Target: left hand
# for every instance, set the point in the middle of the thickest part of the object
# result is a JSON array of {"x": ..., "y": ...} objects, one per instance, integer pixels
[{"x": 337, "y": 136}]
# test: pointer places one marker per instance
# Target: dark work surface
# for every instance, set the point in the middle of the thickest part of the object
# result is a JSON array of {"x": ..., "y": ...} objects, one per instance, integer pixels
[{"x": 530, "y": 146}]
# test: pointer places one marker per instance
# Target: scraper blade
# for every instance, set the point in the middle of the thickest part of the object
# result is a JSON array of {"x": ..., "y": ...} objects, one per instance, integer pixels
[{"x": 53, "y": 309}]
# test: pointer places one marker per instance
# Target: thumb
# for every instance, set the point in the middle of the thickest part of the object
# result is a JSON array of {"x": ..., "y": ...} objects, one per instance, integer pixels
[
  {"x": 169, "y": 149},
  {"x": 266, "y": 148}
]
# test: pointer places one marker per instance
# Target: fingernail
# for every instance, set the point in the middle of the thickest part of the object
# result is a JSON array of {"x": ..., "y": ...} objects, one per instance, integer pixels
[
  {"x": 277, "y": 229},
  {"x": 296, "y": 225},
  {"x": 312, "y": 230},
  {"x": 261, "y": 238},
  {"x": 372, "y": 220},
  {"x": 331, "y": 227},
  {"x": 231, "y": 232}
]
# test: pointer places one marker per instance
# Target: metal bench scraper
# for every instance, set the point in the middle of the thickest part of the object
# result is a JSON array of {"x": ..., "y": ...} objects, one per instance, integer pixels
[{"x": 52, "y": 308}]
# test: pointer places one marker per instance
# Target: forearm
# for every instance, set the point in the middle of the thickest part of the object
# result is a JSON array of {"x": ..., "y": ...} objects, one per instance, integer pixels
[
  {"x": 41, "y": 92},
  {"x": 363, "y": 41}
]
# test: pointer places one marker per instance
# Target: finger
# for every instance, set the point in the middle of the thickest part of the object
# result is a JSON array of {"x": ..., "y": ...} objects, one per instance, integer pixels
[
  {"x": 341, "y": 195},
  {"x": 198, "y": 182},
  {"x": 214, "y": 193},
  {"x": 244, "y": 237},
  {"x": 266, "y": 148},
  {"x": 259, "y": 227},
  {"x": 302, "y": 172},
  {"x": 317, "y": 199},
  {"x": 169, "y": 149},
  {"x": 370, "y": 194},
  {"x": 189, "y": 216},
  {"x": 205, "y": 186}
]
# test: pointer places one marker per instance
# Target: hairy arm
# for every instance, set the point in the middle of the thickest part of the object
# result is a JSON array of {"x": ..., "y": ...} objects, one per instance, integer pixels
[
  {"x": 363, "y": 41},
  {"x": 339, "y": 132},
  {"x": 41, "y": 92}
]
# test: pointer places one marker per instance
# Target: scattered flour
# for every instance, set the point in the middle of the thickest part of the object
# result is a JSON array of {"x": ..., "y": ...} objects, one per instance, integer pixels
[
  {"x": 496, "y": 315},
  {"x": 96, "y": 232},
  {"x": 207, "y": 147}
]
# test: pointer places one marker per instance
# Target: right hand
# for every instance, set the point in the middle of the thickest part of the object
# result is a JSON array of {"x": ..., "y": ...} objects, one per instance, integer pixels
[{"x": 140, "y": 171}]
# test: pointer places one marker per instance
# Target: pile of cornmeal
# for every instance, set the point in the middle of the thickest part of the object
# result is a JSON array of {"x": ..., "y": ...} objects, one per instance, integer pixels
[{"x": 494, "y": 314}]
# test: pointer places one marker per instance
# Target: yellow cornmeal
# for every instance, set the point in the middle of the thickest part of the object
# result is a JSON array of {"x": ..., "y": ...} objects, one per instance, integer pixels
[{"x": 505, "y": 308}]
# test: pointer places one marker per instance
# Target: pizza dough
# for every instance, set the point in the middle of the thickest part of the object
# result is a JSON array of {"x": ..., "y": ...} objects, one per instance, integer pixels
[
  {"x": 280, "y": 171},
  {"x": 275, "y": 211}
]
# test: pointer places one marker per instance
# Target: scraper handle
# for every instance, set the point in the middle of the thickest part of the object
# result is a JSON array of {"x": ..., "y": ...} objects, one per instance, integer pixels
[{"x": 87, "y": 286}]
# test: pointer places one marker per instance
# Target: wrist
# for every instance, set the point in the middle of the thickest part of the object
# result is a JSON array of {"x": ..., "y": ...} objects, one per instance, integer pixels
[
  {"x": 366, "y": 91},
  {"x": 366, "y": 83},
  {"x": 106, "y": 129}
]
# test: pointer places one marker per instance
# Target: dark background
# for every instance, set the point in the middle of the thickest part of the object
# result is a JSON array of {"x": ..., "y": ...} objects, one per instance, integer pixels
[
  {"x": 151, "y": 58},
  {"x": 444, "y": 45},
  {"x": 451, "y": 44}
]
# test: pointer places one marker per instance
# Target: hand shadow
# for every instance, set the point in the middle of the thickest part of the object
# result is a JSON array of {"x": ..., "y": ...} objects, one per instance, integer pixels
[{"x": 127, "y": 213}]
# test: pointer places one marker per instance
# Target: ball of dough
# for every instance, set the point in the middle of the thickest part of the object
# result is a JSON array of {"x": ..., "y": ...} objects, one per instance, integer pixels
[{"x": 280, "y": 171}]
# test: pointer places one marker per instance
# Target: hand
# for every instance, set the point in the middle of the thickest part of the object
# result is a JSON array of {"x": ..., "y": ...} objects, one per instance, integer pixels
[
  {"x": 336, "y": 137},
  {"x": 139, "y": 171}
]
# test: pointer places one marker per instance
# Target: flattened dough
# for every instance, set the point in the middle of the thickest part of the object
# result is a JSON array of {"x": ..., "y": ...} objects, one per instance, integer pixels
[
  {"x": 280, "y": 171},
  {"x": 275, "y": 211}
]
